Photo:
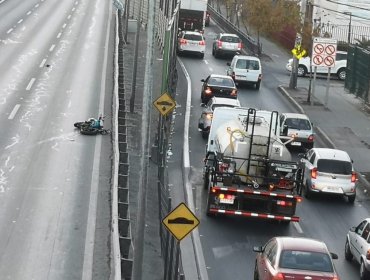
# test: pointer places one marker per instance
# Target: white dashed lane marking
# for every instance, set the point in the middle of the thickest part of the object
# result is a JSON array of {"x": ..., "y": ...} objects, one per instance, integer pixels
[
  {"x": 30, "y": 84},
  {"x": 19, "y": 21},
  {"x": 297, "y": 227},
  {"x": 37, "y": 5},
  {"x": 64, "y": 25},
  {"x": 205, "y": 61},
  {"x": 10, "y": 30},
  {"x": 14, "y": 111},
  {"x": 210, "y": 69},
  {"x": 28, "y": 13},
  {"x": 69, "y": 17},
  {"x": 43, "y": 62},
  {"x": 59, "y": 34},
  {"x": 51, "y": 48}
]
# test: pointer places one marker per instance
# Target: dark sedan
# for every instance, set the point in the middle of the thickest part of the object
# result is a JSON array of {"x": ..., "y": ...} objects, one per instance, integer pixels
[{"x": 219, "y": 86}]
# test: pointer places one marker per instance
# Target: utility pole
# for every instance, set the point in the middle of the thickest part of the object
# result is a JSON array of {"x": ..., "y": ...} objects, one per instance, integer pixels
[
  {"x": 349, "y": 27},
  {"x": 298, "y": 42}
]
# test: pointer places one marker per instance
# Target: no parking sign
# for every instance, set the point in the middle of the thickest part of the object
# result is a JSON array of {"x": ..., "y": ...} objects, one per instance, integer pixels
[{"x": 324, "y": 51}]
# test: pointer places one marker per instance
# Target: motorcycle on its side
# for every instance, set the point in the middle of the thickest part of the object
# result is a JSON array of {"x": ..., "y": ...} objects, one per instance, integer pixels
[{"x": 92, "y": 127}]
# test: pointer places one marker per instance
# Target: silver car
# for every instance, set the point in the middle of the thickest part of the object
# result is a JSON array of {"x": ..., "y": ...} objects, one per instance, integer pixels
[
  {"x": 328, "y": 171},
  {"x": 205, "y": 120},
  {"x": 191, "y": 42},
  {"x": 298, "y": 126},
  {"x": 226, "y": 44},
  {"x": 358, "y": 247}
]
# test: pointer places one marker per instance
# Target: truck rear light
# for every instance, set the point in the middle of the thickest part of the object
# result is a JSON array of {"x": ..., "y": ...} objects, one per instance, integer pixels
[
  {"x": 368, "y": 254},
  {"x": 284, "y": 203},
  {"x": 202, "y": 43},
  {"x": 240, "y": 46},
  {"x": 183, "y": 41},
  {"x": 313, "y": 173},
  {"x": 279, "y": 276},
  {"x": 310, "y": 138},
  {"x": 208, "y": 91},
  {"x": 353, "y": 177},
  {"x": 219, "y": 43},
  {"x": 299, "y": 199},
  {"x": 234, "y": 92}
]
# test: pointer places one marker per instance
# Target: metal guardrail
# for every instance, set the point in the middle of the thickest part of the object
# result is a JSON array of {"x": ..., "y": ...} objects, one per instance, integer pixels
[{"x": 249, "y": 42}]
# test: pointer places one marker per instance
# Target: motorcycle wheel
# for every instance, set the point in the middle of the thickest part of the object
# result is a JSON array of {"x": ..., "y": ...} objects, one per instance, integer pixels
[
  {"x": 89, "y": 131},
  {"x": 78, "y": 124}
]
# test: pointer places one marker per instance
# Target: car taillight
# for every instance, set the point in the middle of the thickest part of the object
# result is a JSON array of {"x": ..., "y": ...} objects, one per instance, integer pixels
[
  {"x": 368, "y": 254},
  {"x": 353, "y": 177},
  {"x": 202, "y": 43},
  {"x": 284, "y": 203},
  {"x": 313, "y": 173},
  {"x": 240, "y": 46},
  {"x": 208, "y": 91},
  {"x": 209, "y": 116},
  {"x": 183, "y": 41},
  {"x": 219, "y": 43},
  {"x": 233, "y": 75},
  {"x": 279, "y": 276},
  {"x": 310, "y": 138},
  {"x": 234, "y": 92},
  {"x": 335, "y": 278},
  {"x": 260, "y": 77}
]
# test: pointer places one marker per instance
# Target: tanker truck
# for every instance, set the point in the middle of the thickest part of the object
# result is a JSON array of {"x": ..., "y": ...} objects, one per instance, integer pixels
[{"x": 247, "y": 170}]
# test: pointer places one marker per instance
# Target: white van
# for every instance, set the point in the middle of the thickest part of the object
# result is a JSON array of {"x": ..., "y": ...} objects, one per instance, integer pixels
[{"x": 245, "y": 70}]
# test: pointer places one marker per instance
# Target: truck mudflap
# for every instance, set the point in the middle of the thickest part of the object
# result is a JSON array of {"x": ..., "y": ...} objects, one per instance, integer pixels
[
  {"x": 254, "y": 215},
  {"x": 249, "y": 202}
]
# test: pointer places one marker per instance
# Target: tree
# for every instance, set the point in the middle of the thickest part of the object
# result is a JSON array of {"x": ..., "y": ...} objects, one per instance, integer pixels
[{"x": 269, "y": 16}]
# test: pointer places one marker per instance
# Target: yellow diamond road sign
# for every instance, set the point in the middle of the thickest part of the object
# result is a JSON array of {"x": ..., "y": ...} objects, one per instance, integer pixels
[
  {"x": 181, "y": 221},
  {"x": 164, "y": 104},
  {"x": 298, "y": 52}
]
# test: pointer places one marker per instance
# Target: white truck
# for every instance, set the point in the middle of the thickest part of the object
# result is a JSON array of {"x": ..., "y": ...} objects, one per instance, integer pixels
[
  {"x": 192, "y": 15},
  {"x": 248, "y": 171}
]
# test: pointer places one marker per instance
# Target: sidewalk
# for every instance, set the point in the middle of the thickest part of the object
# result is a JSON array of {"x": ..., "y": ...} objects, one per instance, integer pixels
[{"x": 344, "y": 123}]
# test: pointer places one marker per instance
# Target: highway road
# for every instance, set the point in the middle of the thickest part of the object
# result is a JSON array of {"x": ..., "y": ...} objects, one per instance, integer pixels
[
  {"x": 228, "y": 242},
  {"x": 56, "y": 69}
]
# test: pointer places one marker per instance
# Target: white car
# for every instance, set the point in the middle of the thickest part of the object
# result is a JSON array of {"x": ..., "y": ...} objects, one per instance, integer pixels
[
  {"x": 191, "y": 42},
  {"x": 328, "y": 171},
  {"x": 304, "y": 66},
  {"x": 358, "y": 247}
]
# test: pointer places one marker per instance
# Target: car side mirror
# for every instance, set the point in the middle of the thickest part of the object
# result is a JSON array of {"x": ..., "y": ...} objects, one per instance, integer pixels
[
  {"x": 203, "y": 105},
  {"x": 353, "y": 229},
  {"x": 228, "y": 64},
  {"x": 258, "y": 249},
  {"x": 202, "y": 80},
  {"x": 334, "y": 256}
]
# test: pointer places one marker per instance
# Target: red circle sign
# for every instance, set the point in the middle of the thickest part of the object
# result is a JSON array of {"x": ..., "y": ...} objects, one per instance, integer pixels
[
  {"x": 329, "y": 61},
  {"x": 317, "y": 60},
  {"x": 330, "y": 49},
  {"x": 318, "y": 49}
]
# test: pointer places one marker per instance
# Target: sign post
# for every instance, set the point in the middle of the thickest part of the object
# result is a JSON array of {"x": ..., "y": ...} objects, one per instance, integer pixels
[{"x": 323, "y": 55}]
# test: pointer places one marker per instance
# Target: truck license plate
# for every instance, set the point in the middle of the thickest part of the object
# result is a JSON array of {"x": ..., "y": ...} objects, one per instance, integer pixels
[{"x": 228, "y": 200}]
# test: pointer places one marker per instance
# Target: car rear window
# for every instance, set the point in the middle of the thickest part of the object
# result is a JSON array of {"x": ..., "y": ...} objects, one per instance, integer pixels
[
  {"x": 221, "y": 82},
  {"x": 193, "y": 37},
  {"x": 334, "y": 166},
  {"x": 300, "y": 124},
  {"x": 247, "y": 64},
  {"x": 303, "y": 260},
  {"x": 230, "y": 39}
]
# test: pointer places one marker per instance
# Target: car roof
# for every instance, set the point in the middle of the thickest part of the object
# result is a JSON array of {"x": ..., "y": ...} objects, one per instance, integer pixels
[
  {"x": 221, "y": 76},
  {"x": 296, "y": 116},
  {"x": 302, "y": 244},
  {"x": 229, "y": 34},
  {"x": 328, "y": 153},
  {"x": 192, "y": 32},
  {"x": 226, "y": 101},
  {"x": 246, "y": 57}
]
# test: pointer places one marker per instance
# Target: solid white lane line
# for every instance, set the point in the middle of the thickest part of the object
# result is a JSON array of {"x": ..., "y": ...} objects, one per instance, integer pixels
[
  {"x": 59, "y": 34},
  {"x": 51, "y": 48},
  {"x": 14, "y": 111},
  {"x": 30, "y": 83},
  {"x": 19, "y": 21},
  {"x": 64, "y": 25},
  {"x": 10, "y": 30},
  {"x": 42, "y": 63},
  {"x": 28, "y": 13},
  {"x": 69, "y": 16},
  {"x": 298, "y": 227}
]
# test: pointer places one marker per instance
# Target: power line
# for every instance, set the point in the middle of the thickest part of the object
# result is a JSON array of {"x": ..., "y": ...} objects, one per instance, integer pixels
[
  {"x": 356, "y": 16},
  {"x": 349, "y": 5}
]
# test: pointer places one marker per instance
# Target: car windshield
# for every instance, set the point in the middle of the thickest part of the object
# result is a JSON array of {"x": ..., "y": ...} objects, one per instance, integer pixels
[
  {"x": 193, "y": 37},
  {"x": 247, "y": 64},
  {"x": 222, "y": 82},
  {"x": 334, "y": 166},
  {"x": 300, "y": 124},
  {"x": 230, "y": 39},
  {"x": 221, "y": 105},
  {"x": 304, "y": 260}
]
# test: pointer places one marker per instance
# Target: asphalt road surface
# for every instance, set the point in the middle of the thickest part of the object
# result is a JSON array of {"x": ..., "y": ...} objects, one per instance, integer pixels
[
  {"x": 55, "y": 67},
  {"x": 228, "y": 241}
]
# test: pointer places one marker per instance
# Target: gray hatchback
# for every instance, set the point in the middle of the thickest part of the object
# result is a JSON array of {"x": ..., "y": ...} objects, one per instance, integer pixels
[{"x": 226, "y": 44}]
